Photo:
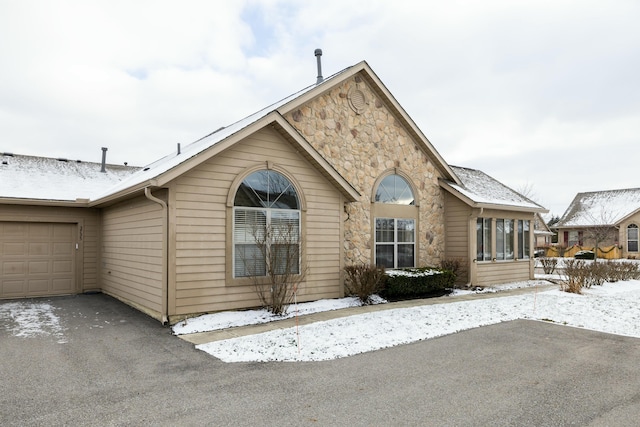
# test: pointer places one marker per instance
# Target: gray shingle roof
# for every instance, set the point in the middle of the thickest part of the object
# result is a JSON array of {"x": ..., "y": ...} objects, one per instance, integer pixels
[
  {"x": 600, "y": 208},
  {"x": 483, "y": 189}
]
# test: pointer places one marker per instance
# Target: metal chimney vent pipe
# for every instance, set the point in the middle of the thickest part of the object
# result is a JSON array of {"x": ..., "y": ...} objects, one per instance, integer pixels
[
  {"x": 104, "y": 160},
  {"x": 318, "y": 53}
]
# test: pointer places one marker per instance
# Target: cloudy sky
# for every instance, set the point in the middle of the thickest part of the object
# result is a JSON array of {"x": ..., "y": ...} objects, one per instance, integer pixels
[{"x": 542, "y": 95}]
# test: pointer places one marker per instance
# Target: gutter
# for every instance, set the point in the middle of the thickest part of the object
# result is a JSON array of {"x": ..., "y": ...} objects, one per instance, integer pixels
[{"x": 165, "y": 261}]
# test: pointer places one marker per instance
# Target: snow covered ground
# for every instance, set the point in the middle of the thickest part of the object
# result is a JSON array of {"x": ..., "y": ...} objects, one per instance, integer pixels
[
  {"x": 32, "y": 319},
  {"x": 612, "y": 308}
]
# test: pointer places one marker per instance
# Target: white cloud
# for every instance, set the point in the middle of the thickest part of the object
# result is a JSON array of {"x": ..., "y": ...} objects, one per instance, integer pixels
[{"x": 490, "y": 83}]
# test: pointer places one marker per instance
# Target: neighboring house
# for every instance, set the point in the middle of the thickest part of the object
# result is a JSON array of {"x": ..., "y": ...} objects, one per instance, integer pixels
[
  {"x": 542, "y": 233},
  {"x": 610, "y": 217},
  {"x": 340, "y": 161}
]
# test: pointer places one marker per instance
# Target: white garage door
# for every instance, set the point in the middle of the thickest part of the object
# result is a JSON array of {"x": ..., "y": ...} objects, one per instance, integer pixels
[{"x": 37, "y": 259}]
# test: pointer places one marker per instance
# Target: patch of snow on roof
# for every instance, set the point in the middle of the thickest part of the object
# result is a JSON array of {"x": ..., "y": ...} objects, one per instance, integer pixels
[
  {"x": 41, "y": 178},
  {"x": 481, "y": 188},
  {"x": 169, "y": 162},
  {"x": 600, "y": 208}
]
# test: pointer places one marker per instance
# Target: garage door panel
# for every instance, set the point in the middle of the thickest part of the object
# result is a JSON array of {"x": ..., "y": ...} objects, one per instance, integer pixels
[
  {"x": 38, "y": 267},
  {"x": 61, "y": 285},
  {"x": 37, "y": 259},
  {"x": 39, "y": 248},
  {"x": 12, "y": 288},
  {"x": 13, "y": 268},
  {"x": 64, "y": 267},
  {"x": 14, "y": 229},
  {"x": 62, "y": 248},
  {"x": 38, "y": 286},
  {"x": 13, "y": 249}
]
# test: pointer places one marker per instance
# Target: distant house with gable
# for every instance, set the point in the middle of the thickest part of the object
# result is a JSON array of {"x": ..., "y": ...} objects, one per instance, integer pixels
[
  {"x": 339, "y": 161},
  {"x": 612, "y": 217}
]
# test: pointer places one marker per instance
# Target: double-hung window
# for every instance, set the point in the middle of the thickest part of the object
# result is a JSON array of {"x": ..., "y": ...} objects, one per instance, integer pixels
[
  {"x": 395, "y": 234},
  {"x": 266, "y": 226},
  {"x": 632, "y": 238},
  {"x": 395, "y": 242}
]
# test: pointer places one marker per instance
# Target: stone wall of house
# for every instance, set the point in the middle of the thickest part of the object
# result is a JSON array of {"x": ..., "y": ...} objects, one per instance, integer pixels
[{"x": 355, "y": 131}]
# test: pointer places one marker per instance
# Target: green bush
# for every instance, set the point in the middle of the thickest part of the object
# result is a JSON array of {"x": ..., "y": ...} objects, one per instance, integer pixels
[{"x": 409, "y": 283}]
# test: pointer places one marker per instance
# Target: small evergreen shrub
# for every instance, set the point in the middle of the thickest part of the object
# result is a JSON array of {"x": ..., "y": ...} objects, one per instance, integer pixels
[
  {"x": 410, "y": 283},
  {"x": 363, "y": 281}
]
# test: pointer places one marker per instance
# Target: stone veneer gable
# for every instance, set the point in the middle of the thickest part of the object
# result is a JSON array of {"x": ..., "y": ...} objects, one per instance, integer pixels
[{"x": 362, "y": 142}]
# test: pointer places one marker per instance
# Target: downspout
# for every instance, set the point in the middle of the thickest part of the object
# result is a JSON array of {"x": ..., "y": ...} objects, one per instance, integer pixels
[{"x": 165, "y": 255}]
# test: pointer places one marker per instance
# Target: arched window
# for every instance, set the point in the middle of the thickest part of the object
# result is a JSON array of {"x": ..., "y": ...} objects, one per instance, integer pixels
[
  {"x": 394, "y": 189},
  {"x": 632, "y": 238},
  {"x": 266, "y": 226},
  {"x": 395, "y": 234}
]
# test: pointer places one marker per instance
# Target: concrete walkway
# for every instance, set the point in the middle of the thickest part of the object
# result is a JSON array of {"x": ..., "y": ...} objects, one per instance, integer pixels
[{"x": 240, "y": 331}]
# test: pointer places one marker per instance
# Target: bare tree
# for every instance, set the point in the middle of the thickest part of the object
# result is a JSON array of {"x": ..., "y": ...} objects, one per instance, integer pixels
[
  {"x": 274, "y": 263},
  {"x": 600, "y": 229}
]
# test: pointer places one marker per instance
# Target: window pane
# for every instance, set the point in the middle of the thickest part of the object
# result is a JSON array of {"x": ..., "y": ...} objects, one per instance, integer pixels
[
  {"x": 508, "y": 238},
  {"x": 406, "y": 230},
  {"x": 394, "y": 189},
  {"x": 406, "y": 255},
  {"x": 384, "y": 256},
  {"x": 285, "y": 258},
  {"x": 249, "y": 225},
  {"x": 249, "y": 261},
  {"x": 500, "y": 237},
  {"x": 486, "y": 230},
  {"x": 525, "y": 241},
  {"x": 384, "y": 230},
  {"x": 285, "y": 226},
  {"x": 266, "y": 188}
]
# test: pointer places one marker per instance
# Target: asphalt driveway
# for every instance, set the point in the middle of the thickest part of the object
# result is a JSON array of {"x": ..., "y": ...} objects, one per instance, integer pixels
[{"x": 95, "y": 361}]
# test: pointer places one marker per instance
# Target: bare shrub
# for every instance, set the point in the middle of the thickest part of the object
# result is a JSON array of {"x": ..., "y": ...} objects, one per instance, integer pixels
[
  {"x": 596, "y": 274},
  {"x": 454, "y": 265},
  {"x": 548, "y": 264},
  {"x": 580, "y": 273},
  {"x": 628, "y": 270},
  {"x": 621, "y": 271},
  {"x": 574, "y": 271},
  {"x": 363, "y": 281},
  {"x": 276, "y": 268}
]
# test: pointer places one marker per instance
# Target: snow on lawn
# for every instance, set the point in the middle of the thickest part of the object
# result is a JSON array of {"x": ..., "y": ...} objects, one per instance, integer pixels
[
  {"x": 612, "y": 308},
  {"x": 31, "y": 319}
]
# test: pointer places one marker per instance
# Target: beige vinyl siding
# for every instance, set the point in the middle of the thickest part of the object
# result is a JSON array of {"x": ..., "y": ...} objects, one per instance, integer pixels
[
  {"x": 496, "y": 272},
  {"x": 201, "y": 222},
  {"x": 87, "y": 222},
  {"x": 492, "y": 273},
  {"x": 132, "y": 245},
  {"x": 622, "y": 235},
  {"x": 457, "y": 234}
]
